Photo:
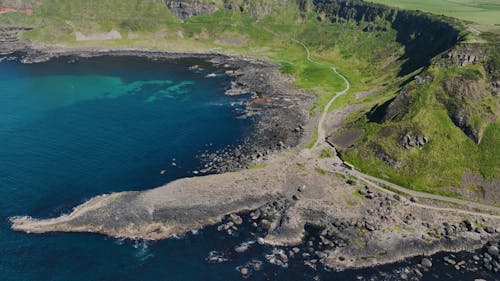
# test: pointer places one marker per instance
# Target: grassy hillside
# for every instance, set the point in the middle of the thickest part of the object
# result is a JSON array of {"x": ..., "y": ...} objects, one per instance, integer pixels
[
  {"x": 440, "y": 163},
  {"x": 484, "y": 12}
]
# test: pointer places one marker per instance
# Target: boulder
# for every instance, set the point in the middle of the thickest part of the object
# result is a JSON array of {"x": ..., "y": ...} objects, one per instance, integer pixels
[
  {"x": 426, "y": 263},
  {"x": 244, "y": 271},
  {"x": 493, "y": 251}
]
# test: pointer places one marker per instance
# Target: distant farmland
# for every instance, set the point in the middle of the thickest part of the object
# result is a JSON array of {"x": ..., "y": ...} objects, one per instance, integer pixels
[{"x": 483, "y": 12}]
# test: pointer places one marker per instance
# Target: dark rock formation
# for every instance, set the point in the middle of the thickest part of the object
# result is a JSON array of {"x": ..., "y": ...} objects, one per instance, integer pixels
[
  {"x": 465, "y": 54},
  {"x": 187, "y": 9},
  {"x": 412, "y": 139},
  {"x": 9, "y": 39},
  {"x": 462, "y": 98}
]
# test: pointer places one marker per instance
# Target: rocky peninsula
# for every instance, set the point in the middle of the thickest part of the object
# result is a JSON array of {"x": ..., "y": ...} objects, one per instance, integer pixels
[{"x": 359, "y": 226}]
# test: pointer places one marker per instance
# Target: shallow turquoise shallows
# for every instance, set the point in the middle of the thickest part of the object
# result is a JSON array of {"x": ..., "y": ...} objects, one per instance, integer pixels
[{"x": 70, "y": 131}]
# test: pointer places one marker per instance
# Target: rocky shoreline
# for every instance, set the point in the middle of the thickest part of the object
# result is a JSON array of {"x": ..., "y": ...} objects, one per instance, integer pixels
[{"x": 356, "y": 226}]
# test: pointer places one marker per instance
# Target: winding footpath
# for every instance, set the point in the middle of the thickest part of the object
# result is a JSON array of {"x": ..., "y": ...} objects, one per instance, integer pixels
[
  {"x": 377, "y": 182},
  {"x": 321, "y": 130}
]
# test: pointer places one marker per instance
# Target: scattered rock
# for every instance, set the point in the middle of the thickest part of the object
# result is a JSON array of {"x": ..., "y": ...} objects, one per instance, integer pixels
[
  {"x": 493, "y": 251},
  {"x": 426, "y": 263},
  {"x": 244, "y": 271},
  {"x": 241, "y": 248}
]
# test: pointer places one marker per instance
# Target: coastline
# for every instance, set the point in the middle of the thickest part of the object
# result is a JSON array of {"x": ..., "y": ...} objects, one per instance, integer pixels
[
  {"x": 279, "y": 111},
  {"x": 289, "y": 191}
]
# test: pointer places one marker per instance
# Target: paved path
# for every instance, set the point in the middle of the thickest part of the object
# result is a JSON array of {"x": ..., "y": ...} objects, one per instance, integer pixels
[
  {"x": 321, "y": 130},
  {"x": 335, "y": 165},
  {"x": 321, "y": 139}
]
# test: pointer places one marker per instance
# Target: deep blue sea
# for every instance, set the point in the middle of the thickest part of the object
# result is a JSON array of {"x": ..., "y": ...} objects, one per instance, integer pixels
[{"x": 70, "y": 131}]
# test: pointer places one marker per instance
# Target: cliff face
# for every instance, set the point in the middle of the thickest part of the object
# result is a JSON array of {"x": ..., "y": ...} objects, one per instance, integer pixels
[
  {"x": 9, "y": 39},
  {"x": 187, "y": 9},
  {"x": 423, "y": 37},
  {"x": 255, "y": 8}
]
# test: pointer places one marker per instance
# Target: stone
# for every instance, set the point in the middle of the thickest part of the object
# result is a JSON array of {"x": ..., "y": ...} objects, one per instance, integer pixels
[
  {"x": 255, "y": 215},
  {"x": 426, "y": 262},
  {"x": 495, "y": 264},
  {"x": 241, "y": 248},
  {"x": 493, "y": 251},
  {"x": 468, "y": 225},
  {"x": 236, "y": 219},
  {"x": 369, "y": 227},
  {"x": 489, "y": 230},
  {"x": 244, "y": 271},
  {"x": 351, "y": 182},
  {"x": 449, "y": 260}
]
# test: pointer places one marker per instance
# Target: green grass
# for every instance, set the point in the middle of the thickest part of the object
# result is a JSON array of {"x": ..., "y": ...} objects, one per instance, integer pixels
[
  {"x": 326, "y": 153},
  {"x": 484, "y": 12},
  {"x": 258, "y": 166}
]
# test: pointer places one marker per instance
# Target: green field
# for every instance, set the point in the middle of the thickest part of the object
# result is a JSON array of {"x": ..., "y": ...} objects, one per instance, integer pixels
[{"x": 483, "y": 12}]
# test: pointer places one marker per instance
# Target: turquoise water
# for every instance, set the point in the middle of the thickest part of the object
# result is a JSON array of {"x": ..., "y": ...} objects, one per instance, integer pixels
[{"x": 72, "y": 131}]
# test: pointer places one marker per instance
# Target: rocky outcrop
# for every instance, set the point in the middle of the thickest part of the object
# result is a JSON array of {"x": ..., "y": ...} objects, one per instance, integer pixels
[
  {"x": 9, "y": 39},
  {"x": 191, "y": 8},
  {"x": 465, "y": 54},
  {"x": 254, "y": 8},
  {"x": 412, "y": 139},
  {"x": 262, "y": 8},
  {"x": 463, "y": 100}
]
